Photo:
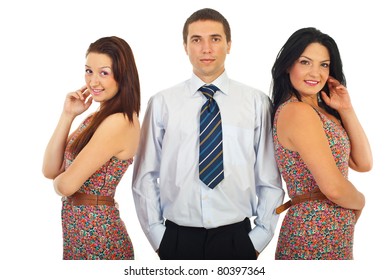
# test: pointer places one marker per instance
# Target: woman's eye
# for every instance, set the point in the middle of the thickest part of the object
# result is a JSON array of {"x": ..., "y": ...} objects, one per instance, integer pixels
[{"x": 304, "y": 62}]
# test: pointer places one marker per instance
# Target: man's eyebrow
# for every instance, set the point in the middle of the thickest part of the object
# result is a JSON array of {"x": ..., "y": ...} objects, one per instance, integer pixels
[
  {"x": 212, "y": 35},
  {"x": 195, "y": 36}
]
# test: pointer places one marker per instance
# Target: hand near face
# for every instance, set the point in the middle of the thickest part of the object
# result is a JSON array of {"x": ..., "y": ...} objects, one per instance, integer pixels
[
  {"x": 339, "y": 97},
  {"x": 77, "y": 102}
]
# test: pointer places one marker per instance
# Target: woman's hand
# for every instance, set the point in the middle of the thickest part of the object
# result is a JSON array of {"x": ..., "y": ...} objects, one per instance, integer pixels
[
  {"x": 77, "y": 102},
  {"x": 339, "y": 98}
]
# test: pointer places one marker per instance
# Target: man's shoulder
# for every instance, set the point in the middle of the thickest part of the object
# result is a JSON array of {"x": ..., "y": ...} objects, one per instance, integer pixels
[
  {"x": 245, "y": 88},
  {"x": 168, "y": 93},
  {"x": 173, "y": 89}
]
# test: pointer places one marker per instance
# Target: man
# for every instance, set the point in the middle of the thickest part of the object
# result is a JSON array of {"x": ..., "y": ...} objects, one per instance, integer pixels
[{"x": 196, "y": 204}]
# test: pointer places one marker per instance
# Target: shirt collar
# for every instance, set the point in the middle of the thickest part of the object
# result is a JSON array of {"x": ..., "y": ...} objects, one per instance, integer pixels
[{"x": 221, "y": 82}]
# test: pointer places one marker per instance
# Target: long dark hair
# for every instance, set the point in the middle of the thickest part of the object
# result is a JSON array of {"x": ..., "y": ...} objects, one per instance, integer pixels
[
  {"x": 127, "y": 99},
  {"x": 282, "y": 88}
]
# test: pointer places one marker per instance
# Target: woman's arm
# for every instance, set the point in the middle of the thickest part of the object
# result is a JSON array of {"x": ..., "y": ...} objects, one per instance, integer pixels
[
  {"x": 300, "y": 129},
  {"x": 361, "y": 158},
  {"x": 115, "y": 136},
  {"x": 75, "y": 104}
]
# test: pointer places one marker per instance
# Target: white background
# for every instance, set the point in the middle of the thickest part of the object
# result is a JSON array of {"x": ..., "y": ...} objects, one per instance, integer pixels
[{"x": 43, "y": 46}]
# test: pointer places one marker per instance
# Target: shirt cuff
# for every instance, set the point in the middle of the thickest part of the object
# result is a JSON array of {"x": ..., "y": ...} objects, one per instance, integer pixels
[
  {"x": 260, "y": 238},
  {"x": 156, "y": 235}
]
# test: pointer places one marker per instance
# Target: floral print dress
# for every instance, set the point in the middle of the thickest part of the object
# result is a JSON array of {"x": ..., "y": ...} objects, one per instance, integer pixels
[
  {"x": 317, "y": 229},
  {"x": 95, "y": 232}
]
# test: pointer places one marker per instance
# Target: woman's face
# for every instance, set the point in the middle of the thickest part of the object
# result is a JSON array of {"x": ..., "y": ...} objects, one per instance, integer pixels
[
  {"x": 311, "y": 70},
  {"x": 99, "y": 77}
]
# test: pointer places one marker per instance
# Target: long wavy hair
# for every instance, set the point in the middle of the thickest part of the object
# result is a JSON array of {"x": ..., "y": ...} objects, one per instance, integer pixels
[
  {"x": 282, "y": 89},
  {"x": 127, "y": 99}
]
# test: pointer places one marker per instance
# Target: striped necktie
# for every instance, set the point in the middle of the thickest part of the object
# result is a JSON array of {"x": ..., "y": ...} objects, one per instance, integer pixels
[{"x": 211, "y": 140}]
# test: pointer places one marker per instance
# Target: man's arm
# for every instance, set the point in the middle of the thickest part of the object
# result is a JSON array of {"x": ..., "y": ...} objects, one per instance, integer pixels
[
  {"x": 267, "y": 178},
  {"x": 145, "y": 182}
]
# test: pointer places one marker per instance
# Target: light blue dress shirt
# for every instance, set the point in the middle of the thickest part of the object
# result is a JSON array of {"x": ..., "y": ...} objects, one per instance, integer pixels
[{"x": 166, "y": 182}]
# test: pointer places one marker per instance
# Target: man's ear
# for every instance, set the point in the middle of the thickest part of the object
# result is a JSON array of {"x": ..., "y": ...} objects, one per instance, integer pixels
[{"x": 228, "y": 47}]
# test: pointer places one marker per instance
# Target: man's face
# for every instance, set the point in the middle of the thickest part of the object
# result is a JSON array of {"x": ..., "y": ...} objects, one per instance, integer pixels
[{"x": 207, "y": 48}]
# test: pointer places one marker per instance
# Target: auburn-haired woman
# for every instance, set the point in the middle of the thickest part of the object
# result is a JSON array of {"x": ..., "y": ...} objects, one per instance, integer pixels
[{"x": 87, "y": 165}]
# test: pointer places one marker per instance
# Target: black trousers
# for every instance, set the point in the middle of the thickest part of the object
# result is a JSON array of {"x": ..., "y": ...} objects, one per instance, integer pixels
[{"x": 230, "y": 242}]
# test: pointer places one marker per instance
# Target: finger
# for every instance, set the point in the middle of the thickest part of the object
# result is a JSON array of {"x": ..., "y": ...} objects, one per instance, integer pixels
[
  {"x": 341, "y": 87},
  {"x": 83, "y": 88},
  {"x": 333, "y": 84},
  {"x": 86, "y": 93},
  {"x": 333, "y": 81},
  {"x": 79, "y": 94},
  {"x": 73, "y": 95},
  {"x": 325, "y": 97},
  {"x": 88, "y": 102}
]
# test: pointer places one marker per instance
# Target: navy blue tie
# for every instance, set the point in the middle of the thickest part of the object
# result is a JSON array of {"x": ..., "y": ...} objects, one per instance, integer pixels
[{"x": 211, "y": 140}]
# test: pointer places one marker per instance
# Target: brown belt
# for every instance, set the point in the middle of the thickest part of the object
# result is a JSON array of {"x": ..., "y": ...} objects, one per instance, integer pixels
[
  {"x": 315, "y": 194},
  {"x": 78, "y": 199}
]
